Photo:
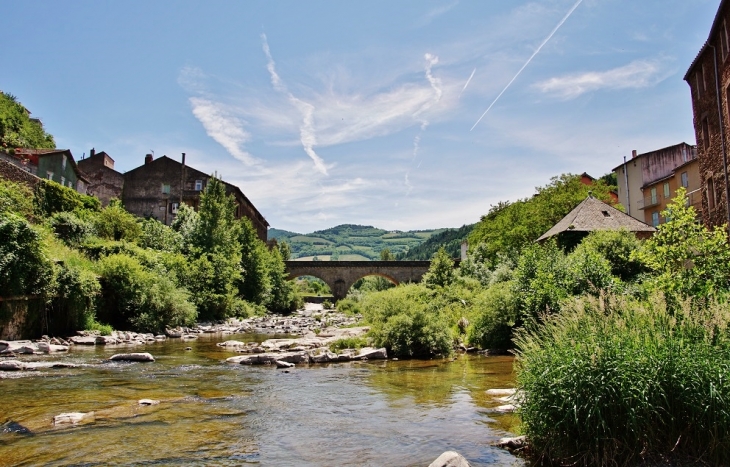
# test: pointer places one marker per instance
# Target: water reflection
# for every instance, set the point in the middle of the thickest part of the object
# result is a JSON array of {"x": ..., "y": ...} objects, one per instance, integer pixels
[{"x": 213, "y": 413}]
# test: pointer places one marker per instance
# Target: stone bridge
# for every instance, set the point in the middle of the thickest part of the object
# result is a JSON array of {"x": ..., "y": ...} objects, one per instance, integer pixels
[{"x": 340, "y": 275}]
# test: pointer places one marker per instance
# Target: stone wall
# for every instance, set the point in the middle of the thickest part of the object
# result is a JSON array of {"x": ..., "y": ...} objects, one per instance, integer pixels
[{"x": 16, "y": 174}]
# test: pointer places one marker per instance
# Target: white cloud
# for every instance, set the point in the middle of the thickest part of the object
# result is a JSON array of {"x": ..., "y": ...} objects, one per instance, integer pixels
[
  {"x": 637, "y": 74},
  {"x": 223, "y": 127}
]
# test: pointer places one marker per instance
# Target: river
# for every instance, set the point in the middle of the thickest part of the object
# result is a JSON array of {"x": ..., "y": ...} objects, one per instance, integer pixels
[{"x": 377, "y": 413}]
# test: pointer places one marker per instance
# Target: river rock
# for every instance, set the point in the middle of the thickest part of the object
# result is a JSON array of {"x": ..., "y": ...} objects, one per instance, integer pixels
[
  {"x": 148, "y": 402},
  {"x": 11, "y": 365},
  {"x": 174, "y": 333},
  {"x": 14, "y": 427},
  {"x": 507, "y": 408},
  {"x": 83, "y": 340},
  {"x": 324, "y": 357},
  {"x": 270, "y": 358},
  {"x": 231, "y": 344},
  {"x": 45, "y": 347},
  {"x": 133, "y": 357},
  {"x": 450, "y": 459},
  {"x": 73, "y": 418},
  {"x": 105, "y": 340},
  {"x": 370, "y": 353},
  {"x": 512, "y": 444},
  {"x": 501, "y": 392},
  {"x": 282, "y": 364}
]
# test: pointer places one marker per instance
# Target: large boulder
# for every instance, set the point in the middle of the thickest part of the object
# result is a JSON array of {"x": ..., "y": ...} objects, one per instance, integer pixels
[
  {"x": 369, "y": 353},
  {"x": 106, "y": 340},
  {"x": 450, "y": 459},
  {"x": 45, "y": 347},
  {"x": 83, "y": 340},
  {"x": 132, "y": 357},
  {"x": 270, "y": 358}
]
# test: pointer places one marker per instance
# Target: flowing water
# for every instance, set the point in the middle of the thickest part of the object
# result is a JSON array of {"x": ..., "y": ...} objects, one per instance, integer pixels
[{"x": 377, "y": 413}]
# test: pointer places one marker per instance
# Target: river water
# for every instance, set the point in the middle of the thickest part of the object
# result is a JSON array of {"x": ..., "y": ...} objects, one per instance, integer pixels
[{"x": 377, "y": 413}]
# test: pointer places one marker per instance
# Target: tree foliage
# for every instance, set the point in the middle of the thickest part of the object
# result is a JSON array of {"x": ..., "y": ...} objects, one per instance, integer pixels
[
  {"x": 17, "y": 129},
  {"x": 509, "y": 227}
]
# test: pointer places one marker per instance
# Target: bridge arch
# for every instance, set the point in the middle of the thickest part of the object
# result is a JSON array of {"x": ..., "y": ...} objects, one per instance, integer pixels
[{"x": 341, "y": 275}]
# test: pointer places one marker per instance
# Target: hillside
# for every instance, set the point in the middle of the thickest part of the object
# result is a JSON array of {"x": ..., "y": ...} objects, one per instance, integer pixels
[
  {"x": 349, "y": 242},
  {"x": 450, "y": 239}
]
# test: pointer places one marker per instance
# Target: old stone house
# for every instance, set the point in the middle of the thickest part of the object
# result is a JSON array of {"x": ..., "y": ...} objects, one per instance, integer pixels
[
  {"x": 709, "y": 80},
  {"x": 104, "y": 182},
  {"x": 158, "y": 187}
]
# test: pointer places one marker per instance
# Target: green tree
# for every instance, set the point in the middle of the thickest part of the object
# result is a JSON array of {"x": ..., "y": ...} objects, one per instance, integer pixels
[
  {"x": 115, "y": 223},
  {"x": 185, "y": 223},
  {"x": 25, "y": 268},
  {"x": 687, "y": 258},
  {"x": 17, "y": 129},
  {"x": 509, "y": 227},
  {"x": 441, "y": 272},
  {"x": 217, "y": 230},
  {"x": 283, "y": 295},
  {"x": 386, "y": 255},
  {"x": 254, "y": 284}
]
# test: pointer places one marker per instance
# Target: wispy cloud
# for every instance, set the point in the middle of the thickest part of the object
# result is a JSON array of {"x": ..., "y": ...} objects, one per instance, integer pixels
[
  {"x": 637, "y": 74},
  {"x": 434, "y": 13},
  {"x": 223, "y": 127},
  {"x": 307, "y": 132}
]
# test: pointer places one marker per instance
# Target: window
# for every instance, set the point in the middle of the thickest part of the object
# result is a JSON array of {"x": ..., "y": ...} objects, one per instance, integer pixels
[
  {"x": 70, "y": 185},
  {"x": 49, "y": 175},
  {"x": 667, "y": 194},
  {"x": 700, "y": 81},
  {"x": 705, "y": 134},
  {"x": 198, "y": 185},
  {"x": 655, "y": 218},
  {"x": 173, "y": 207},
  {"x": 165, "y": 188},
  {"x": 63, "y": 181},
  {"x": 63, "y": 162},
  {"x": 711, "y": 193},
  {"x": 653, "y": 196},
  {"x": 685, "y": 179}
]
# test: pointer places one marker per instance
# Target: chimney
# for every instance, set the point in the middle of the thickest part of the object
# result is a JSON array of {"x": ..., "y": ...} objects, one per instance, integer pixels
[
  {"x": 633, "y": 153},
  {"x": 92, "y": 152},
  {"x": 148, "y": 159}
]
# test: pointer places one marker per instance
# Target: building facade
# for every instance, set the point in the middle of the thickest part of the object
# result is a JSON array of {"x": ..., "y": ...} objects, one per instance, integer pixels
[
  {"x": 52, "y": 164},
  {"x": 709, "y": 80},
  {"x": 104, "y": 182},
  {"x": 158, "y": 187},
  {"x": 648, "y": 182}
]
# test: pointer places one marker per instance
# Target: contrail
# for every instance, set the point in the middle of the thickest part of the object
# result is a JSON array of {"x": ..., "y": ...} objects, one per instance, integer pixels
[
  {"x": 567, "y": 15},
  {"x": 468, "y": 81}
]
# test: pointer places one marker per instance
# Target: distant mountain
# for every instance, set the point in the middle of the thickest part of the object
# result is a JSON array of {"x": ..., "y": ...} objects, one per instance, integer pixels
[
  {"x": 450, "y": 239},
  {"x": 350, "y": 242}
]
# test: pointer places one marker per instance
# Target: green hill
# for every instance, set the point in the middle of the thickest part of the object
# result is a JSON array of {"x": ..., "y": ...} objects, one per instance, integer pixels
[
  {"x": 450, "y": 239},
  {"x": 352, "y": 242}
]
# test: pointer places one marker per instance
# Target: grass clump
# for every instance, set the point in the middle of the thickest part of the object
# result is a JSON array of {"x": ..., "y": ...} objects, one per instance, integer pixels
[
  {"x": 349, "y": 343},
  {"x": 614, "y": 381}
]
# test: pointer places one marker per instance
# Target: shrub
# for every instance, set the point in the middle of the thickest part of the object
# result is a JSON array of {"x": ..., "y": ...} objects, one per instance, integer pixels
[
  {"x": 114, "y": 223},
  {"x": 158, "y": 236},
  {"x": 16, "y": 198},
  {"x": 616, "y": 247},
  {"x": 210, "y": 278},
  {"x": 51, "y": 197},
  {"x": 165, "y": 305},
  {"x": 70, "y": 228},
  {"x": 612, "y": 380},
  {"x": 541, "y": 280},
  {"x": 76, "y": 292},
  {"x": 496, "y": 315},
  {"x": 441, "y": 272},
  {"x": 402, "y": 322},
  {"x": 25, "y": 268},
  {"x": 349, "y": 306},
  {"x": 327, "y": 305},
  {"x": 587, "y": 272},
  {"x": 349, "y": 343}
]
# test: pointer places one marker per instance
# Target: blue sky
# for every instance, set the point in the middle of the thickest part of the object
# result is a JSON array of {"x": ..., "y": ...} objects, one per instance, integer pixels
[{"x": 328, "y": 112}]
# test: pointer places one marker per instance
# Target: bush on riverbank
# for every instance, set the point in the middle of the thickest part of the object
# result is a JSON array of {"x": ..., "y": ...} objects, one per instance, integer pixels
[{"x": 612, "y": 380}]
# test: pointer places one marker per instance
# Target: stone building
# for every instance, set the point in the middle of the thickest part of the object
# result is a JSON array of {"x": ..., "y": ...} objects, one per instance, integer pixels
[
  {"x": 648, "y": 181},
  {"x": 709, "y": 80},
  {"x": 104, "y": 182},
  {"x": 156, "y": 189}
]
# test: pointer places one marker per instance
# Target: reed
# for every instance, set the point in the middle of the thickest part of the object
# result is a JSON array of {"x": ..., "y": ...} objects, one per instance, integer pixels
[{"x": 615, "y": 381}]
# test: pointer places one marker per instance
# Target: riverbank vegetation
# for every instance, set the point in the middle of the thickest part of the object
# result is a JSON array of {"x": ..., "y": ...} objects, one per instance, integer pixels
[
  {"x": 98, "y": 268},
  {"x": 623, "y": 346}
]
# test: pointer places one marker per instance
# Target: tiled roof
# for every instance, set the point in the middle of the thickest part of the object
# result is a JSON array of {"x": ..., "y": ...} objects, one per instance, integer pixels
[{"x": 593, "y": 214}]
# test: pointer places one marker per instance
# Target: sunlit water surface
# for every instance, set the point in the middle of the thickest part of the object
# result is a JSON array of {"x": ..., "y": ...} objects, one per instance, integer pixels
[{"x": 378, "y": 413}]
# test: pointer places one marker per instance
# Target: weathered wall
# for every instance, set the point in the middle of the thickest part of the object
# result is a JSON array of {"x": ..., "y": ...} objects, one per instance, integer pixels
[
  {"x": 16, "y": 174},
  {"x": 703, "y": 92},
  {"x": 104, "y": 182}
]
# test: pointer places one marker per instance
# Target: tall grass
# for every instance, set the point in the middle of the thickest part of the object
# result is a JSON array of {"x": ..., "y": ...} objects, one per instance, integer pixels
[{"x": 613, "y": 381}]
